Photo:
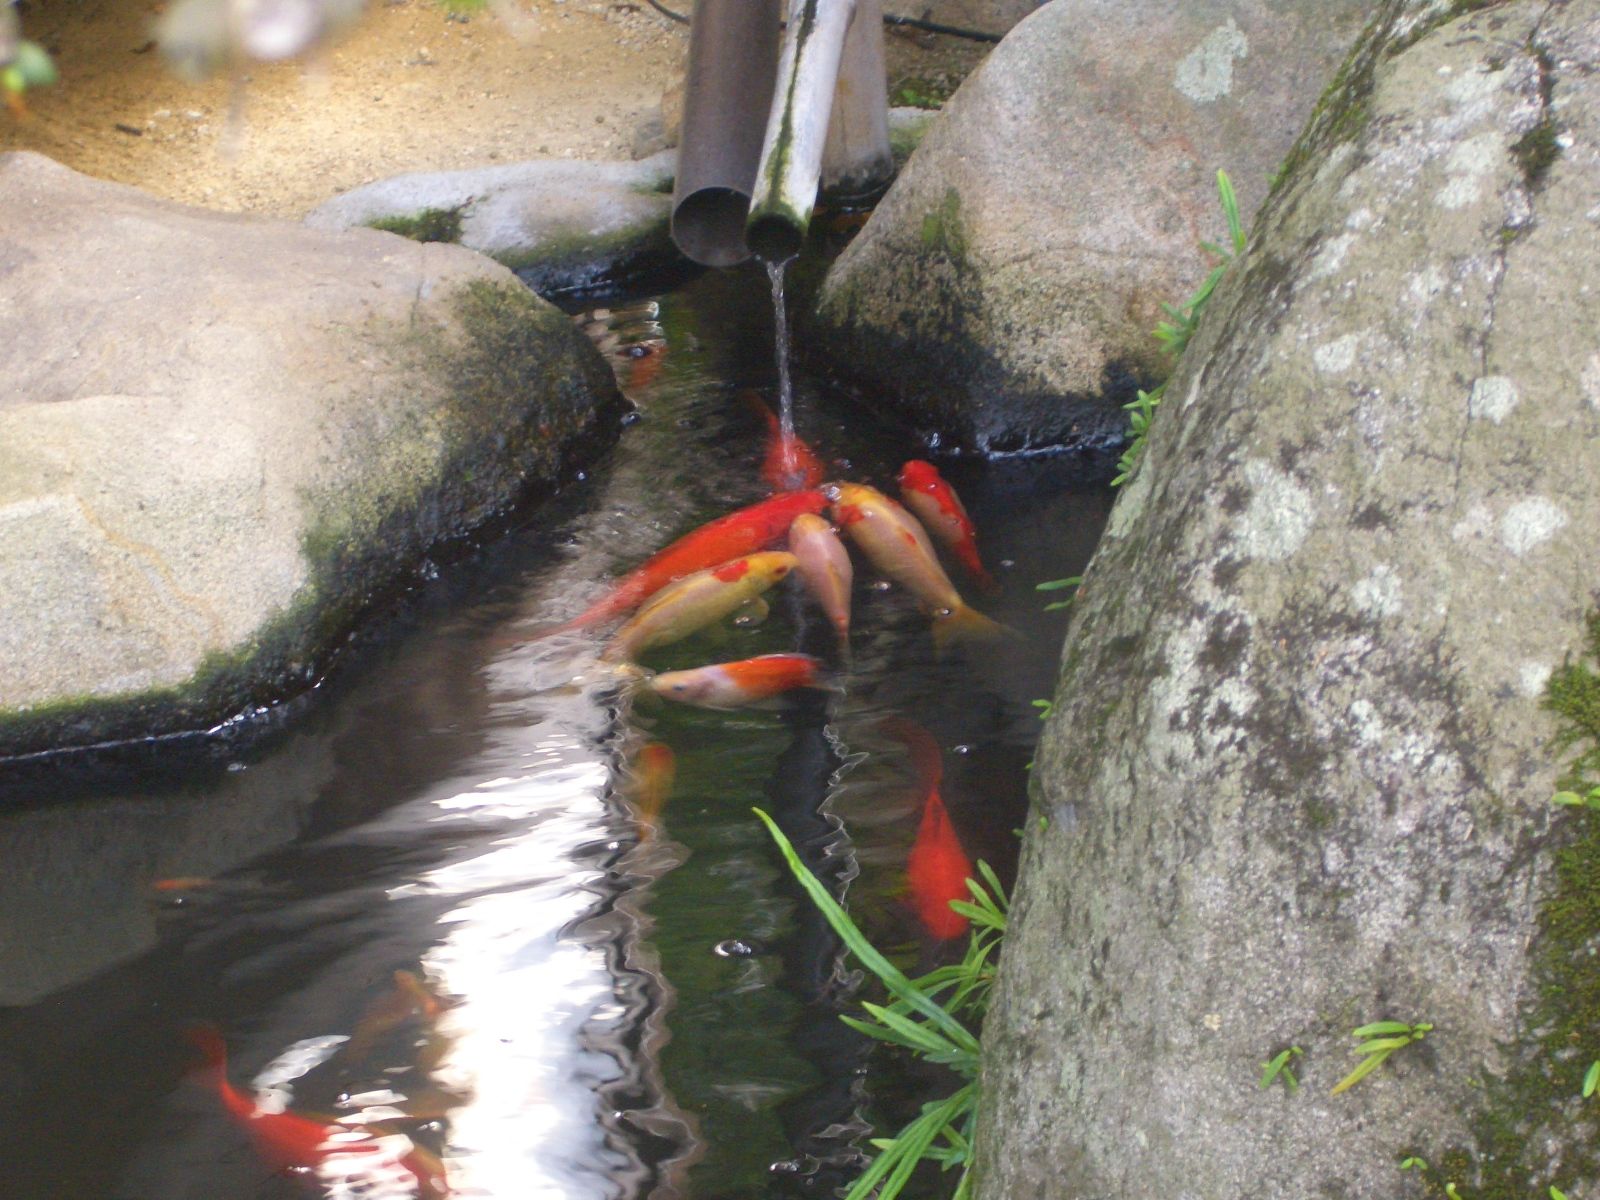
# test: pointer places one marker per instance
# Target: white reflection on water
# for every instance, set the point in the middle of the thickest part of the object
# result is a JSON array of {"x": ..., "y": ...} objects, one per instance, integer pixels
[{"x": 528, "y": 988}]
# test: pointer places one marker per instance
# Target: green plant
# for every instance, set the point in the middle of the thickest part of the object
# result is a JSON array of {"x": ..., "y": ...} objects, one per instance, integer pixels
[
  {"x": 1379, "y": 1040},
  {"x": 1574, "y": 800},
  {"x": 1413, "y": 1163},
  {"x": 925, "y": 1016},
  {"x": 1056, "y": 585},
  {"x": 1182, "y": 320},
  {"x": 1556, "y": 1193},
  {"x": 1591, "y": 1079},
  {"x": 1045, "y": 707},
  {"x": 1278, "y": 1068}
]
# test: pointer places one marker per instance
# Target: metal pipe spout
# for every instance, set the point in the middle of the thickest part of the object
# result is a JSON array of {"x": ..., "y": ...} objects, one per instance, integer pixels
[{"x": 765, "y": 126}]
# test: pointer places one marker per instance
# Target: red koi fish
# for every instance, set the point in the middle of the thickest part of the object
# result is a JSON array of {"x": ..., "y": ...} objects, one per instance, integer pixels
[
  {"x": 289, "y": 1141},
  {"x": 824, "y": 567},
  {"x": 737, "y": 534},
  {"x": 654, "y": 769},
  {"x": 790, "y": 463},
  {"x": 695, "y": 601},
  {"x": 645, "y": 360},
  {"x": 899, "y": 547},
  {"x": 737, "y": 684},
  {"x": 936, "y": 505},
  {"x": 937, "y": 868}
]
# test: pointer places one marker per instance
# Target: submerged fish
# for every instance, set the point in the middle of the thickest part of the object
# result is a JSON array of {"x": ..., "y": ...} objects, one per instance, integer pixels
[
  {"x": 654, "y": 768},
  {"x": 697, "y": 600},
  {"x": 937, "y": 868},
  {"x": 742, "y": 532},
  {"x": 899, "y": 547},
  {"x": 823, "y": 565},
  {"x": 289, "y": 1141},
  {"x": 936, "y": 505},
  {"x": 736, "y": 684},
  {"x": 790, "y": 463},
  {"x": 409, "y": 998}
]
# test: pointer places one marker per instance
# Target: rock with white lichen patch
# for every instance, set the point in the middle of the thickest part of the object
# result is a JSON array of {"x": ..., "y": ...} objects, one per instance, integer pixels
[
  {"x": 1299, "y": 769},
  {"x": 1004, "y": 292}
]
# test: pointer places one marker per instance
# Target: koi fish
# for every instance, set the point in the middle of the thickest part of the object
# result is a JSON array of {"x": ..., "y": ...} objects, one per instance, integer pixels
[
  {"x": 743, "y": 532},
  {"x": 289, "y": 1141},
  {"x": 824, "y": 566},
  {"x": 654, "y": 769},
  {"x": 695, "y": 601},
  {"x": 899, "y": 547},
  {"x": 937, "y": 868},
  {"x": 736, "y": 684},
  {"x": 409, "y": 998},
  {"x": 936, "y": 505},
  {"x": 183, "y": 883},
  {"x": 790, "y": 463},
  {"x": 645, "y": 360}
]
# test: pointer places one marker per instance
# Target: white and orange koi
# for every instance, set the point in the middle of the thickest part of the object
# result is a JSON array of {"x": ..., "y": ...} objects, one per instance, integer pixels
[
  {"x": 899, "y": 547},
  {"x": 737, "y": 684},
  {"x": 823, "y": 565},
  {"x": 696, "y": 601}
]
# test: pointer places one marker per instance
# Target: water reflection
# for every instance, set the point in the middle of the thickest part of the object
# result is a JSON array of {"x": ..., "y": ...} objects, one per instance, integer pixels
[{"x": 434, "y": 918}]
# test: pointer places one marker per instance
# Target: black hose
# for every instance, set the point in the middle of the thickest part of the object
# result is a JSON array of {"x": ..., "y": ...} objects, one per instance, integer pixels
[{"x": 972, "y": 35}]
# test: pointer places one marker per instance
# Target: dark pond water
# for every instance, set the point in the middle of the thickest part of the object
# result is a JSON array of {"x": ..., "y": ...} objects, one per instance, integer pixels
[{"x": 431, "y": 906}]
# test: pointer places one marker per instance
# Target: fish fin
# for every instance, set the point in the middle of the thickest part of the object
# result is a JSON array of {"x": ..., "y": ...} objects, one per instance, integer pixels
[
  {"x": 208, "y": 1040},
  {"x": 966, "y": 624}
]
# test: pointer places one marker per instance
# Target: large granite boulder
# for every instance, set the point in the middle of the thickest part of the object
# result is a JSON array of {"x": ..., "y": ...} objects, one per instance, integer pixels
[
  {"x": 1299, "y": 772},
  {"x": 222, "y": 437},
  {"x": 1005, "y": 289},
  {"x": 563, "y": 225}
]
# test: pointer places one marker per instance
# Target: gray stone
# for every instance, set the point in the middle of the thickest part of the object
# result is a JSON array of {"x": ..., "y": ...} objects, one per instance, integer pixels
[
  {"x": 222, "y": 437},
  {"x": 1006, "y": 288},
  {"x": 560, "y": 224},
  {"x": 1298, "y": 774}
]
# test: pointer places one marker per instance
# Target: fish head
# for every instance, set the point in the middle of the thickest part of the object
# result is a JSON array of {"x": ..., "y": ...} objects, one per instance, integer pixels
[
  {"x": 917, "y": 476},
  {"x": 686, "y": 687}
]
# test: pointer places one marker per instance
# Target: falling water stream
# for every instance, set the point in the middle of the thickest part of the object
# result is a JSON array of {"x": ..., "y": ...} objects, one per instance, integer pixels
[
  {"x": 619, "y": 1009},
  {"x": 780, "y": 345}
]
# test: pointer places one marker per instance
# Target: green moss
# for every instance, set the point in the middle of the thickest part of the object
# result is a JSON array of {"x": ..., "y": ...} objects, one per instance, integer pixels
[
  {"x": 429, "y": 225},
  {"x": 516, "y": 412},
  {"x": 1537, "y": 1103},
  {"x": 943, "y": 230},
  {"x": 1537, "y": 150}
]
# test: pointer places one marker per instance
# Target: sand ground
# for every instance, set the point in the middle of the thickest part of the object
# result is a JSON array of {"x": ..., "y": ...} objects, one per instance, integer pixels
[{"x": 411, "y": 87}]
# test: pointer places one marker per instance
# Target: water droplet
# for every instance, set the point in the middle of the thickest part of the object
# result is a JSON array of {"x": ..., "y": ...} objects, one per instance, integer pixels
[
  {"x": 880, "y": 585},
  {"x": 961, "y": 749},
  {"x": 787, "y": 1166},
  {"x": 733, "y": 948},
  {"x": 1008, "y": 563},
  {"x": 940, "y": 614},
  {"x": 581, "y": 476}
]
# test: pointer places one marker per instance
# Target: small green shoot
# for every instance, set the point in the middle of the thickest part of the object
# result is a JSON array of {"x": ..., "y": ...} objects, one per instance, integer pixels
[
  {"x": 1378, "y": 1041},
  {"x": 1413, "y": 1163},
  {"x": 1591, "y": 1079},
  {"x": 1278, "y": 1068},
  {"x": 1045, "y": 707},
  {"x": 1556, "y": 1193},
  {"x": 1450, "y": 1190},
  {"x": 1182, "y": 321},
  {"x": 924, "y": 1015},
  {"x": 1056, "y": 585},
  {"x": 1574, "y": 800}
]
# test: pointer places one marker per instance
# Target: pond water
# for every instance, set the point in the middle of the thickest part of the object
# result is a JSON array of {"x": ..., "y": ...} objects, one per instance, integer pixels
[{"x": 432, "y": 904}]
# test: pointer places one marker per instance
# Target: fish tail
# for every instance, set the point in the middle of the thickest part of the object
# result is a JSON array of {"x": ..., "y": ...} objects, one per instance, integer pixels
[
  {"x": 207, "y": 1040},
  {"x": 966, "y": 624}
]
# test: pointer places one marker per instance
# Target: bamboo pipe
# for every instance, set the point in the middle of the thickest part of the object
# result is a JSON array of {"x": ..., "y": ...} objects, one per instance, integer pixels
[
  {"x": 797, "y": 127},
  {"x": 856, "y": 159}
]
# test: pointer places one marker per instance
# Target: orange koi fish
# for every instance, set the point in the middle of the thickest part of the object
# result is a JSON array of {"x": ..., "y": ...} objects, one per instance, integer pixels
[
  {"x": 409, "y": 998},
  {"x": 695, "y": 601},
  {"x": 290, "y": 1141},
  {"x": 790, "y": 463},
  {"x": 182, "y": 883},
  {"x": 654, "y": 769},
  {"x": 739, "y": 533},
  {"x": 899, "y": 547},
  {"x": 937, "y": 868},
  {"x": 824, "y": 566},
  {"x": 645, "y": 360},
  {"x": 737, "y": 684},
  {"x": 941, "y": 512}
]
